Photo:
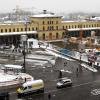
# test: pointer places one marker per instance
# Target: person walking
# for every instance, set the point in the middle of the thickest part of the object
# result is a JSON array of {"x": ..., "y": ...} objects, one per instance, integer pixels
[
  {"x": 49, "y": 96},
  {"x": 77, "y": 72}
]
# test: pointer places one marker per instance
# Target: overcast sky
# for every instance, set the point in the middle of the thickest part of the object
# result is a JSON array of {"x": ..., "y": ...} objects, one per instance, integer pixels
[{"x": 67, "y": 6}]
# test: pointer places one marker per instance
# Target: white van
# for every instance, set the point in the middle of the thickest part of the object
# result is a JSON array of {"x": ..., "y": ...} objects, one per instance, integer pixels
[{"x": 30, "y": 87}]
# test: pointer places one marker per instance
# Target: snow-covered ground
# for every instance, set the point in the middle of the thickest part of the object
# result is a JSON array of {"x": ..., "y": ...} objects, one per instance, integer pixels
[{"x": 6, "y": 77}]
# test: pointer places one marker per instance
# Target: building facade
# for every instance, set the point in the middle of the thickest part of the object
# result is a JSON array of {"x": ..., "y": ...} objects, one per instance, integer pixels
[{"x": 45, "y": 27}]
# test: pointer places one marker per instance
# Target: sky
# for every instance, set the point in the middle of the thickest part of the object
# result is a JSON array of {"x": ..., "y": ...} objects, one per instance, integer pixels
[{"x": 56, "y": 6}]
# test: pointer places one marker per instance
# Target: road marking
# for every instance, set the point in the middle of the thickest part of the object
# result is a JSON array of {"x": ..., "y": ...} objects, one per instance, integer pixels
[
  {"x": 95, "y": 92},
  {"x": 73, "y": 86},
  {"x": 66, "y": 71},
  {"x": 88, "y": 67}
]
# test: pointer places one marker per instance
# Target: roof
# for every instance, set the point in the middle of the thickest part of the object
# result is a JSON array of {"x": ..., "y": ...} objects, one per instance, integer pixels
[
  {"x": 77, "y": 29},
  {"x": 13, "y": 66},
  {"x": 32, "y": 82},
  {"x": 17, "y": 33},
  {"x": 45, "y": 15}
]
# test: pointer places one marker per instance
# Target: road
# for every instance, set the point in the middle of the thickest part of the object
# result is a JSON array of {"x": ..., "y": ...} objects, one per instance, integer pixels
[{"x": 85, "y": 86}]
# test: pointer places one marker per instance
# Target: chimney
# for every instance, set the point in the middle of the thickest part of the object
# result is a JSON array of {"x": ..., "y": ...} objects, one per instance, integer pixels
[{"x": 44, "y": 11}]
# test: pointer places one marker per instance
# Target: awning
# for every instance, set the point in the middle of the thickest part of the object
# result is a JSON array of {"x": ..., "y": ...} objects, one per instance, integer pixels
[{"x": 18, "y": 33}]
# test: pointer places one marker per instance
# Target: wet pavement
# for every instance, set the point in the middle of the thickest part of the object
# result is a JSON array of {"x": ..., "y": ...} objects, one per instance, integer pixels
[{"x": 85, "y": 86}]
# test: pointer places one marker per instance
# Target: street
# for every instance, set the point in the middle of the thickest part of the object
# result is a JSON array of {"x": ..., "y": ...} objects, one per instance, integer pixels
[{"x": 85, "y": 85}]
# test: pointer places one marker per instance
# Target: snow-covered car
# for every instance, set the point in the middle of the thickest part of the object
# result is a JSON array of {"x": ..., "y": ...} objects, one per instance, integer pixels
[{"x": 64, "y": 82}]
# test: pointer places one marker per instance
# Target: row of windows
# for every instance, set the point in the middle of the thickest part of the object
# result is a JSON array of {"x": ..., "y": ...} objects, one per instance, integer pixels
[
  {"x": 80, "y": 26},
  {"x": 18, "y": 29},
  {"x": 50, "y": 28},
  {"x": 50, "y": 36},
  {"x": 50, "y": 22}
]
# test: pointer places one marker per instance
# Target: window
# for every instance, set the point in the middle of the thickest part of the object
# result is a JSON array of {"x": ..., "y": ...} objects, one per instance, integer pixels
[
  {"x": 17, "y": 29},
  {"x": 48, "y": 22},
  {"x": 36, "y": 28},
  {"x": 57, "y": 27},
  {"x": 32, "y": 28},
  {"x": 1, "y": 30},
  {"x": 57, "y": 35},
  {"x": 69, "y": 26},
  {"x": 25, "y": 29},
  {"x": 43, "y": 22},
  {"x": 52, "y": 27},
  {"x": 48, "y": 28},
  {"x": 5, "y": 30},
  {"x": 52, "y": 22},
  {"x": 29, "y": 29},
  {"x": 43, "y": 36},
  {"x": 21, "y": 29},
  {"x": 10, "y": 30},
  {"x": 29, "y": 87},
  {"x": 43, "y": 28},
  {"x": 25, "y": 88},
  {"x": 13, "y": 29},
  {"x": 63, "y": 27},
  {"x": 56, "y": 22}
]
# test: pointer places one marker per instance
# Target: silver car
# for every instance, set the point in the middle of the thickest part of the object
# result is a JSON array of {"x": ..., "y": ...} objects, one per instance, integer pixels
[{"x": 64, "y": 82}]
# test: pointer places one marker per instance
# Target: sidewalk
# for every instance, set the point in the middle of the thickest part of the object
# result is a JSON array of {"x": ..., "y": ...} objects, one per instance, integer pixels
[{"x": 9, "y": 81}]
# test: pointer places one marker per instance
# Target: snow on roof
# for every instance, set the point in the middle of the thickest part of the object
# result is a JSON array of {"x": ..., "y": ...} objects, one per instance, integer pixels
[
  {"x": 13, "y": 66},
  {"x": 32, "y": 39},
  {"x": 96, "y": 18},
  {"x": 69, "y": 21},
  {"x": 33, "y": 82},
  {"x": 46, "y": 15},
  {"x": 76, "y": 29},
  {"x": 17, "y": 33}
]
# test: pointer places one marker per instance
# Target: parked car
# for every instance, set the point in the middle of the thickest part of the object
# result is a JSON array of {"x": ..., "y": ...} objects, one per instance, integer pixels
[{"x": 64, "y": 82}]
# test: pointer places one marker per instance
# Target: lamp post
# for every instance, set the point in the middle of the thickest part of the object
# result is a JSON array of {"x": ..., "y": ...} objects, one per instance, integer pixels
[{"x": 24, "y": 39}]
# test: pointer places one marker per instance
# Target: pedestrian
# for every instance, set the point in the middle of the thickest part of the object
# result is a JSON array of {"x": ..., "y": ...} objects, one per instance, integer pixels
[
  {"x": 25, "y": 79},
  {"x": 60, "y": 74},
  {"x": 77, "y": 72},
  {"x": 49, "y": 96}
]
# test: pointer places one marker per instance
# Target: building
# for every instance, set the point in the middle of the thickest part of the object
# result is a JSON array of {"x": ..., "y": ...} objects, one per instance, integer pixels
[{"x": 45, "y": 26}]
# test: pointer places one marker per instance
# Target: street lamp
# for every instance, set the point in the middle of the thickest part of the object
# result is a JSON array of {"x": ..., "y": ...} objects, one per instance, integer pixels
[{"x": 24, "y": 42}]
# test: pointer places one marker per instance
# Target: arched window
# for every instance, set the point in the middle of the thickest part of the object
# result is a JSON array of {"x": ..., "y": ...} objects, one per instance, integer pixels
[
  {"x": 1, "y": 30},
  {"x": 10, "y": 30},
  {"x": 13, "y": 29},
  {"x": 57, "y": 35},
  {"x": 43, "y": 22},
  {"x": 32, "y": 28},
  {"x": 21, "y": 29},
  {"x": 50, "y": 36},
  {"x": 57, "y": 27},
  {"x": 43, "y": 36},
  {"x": 63, "y": 34},
  {"x": 43, "y": 28},
  {"x": 5, "y": 30},
  {"x": 17, "y": 29}
]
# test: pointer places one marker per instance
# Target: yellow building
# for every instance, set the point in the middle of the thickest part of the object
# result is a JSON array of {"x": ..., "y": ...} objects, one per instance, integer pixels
[{"x": 45, "y": 27}]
